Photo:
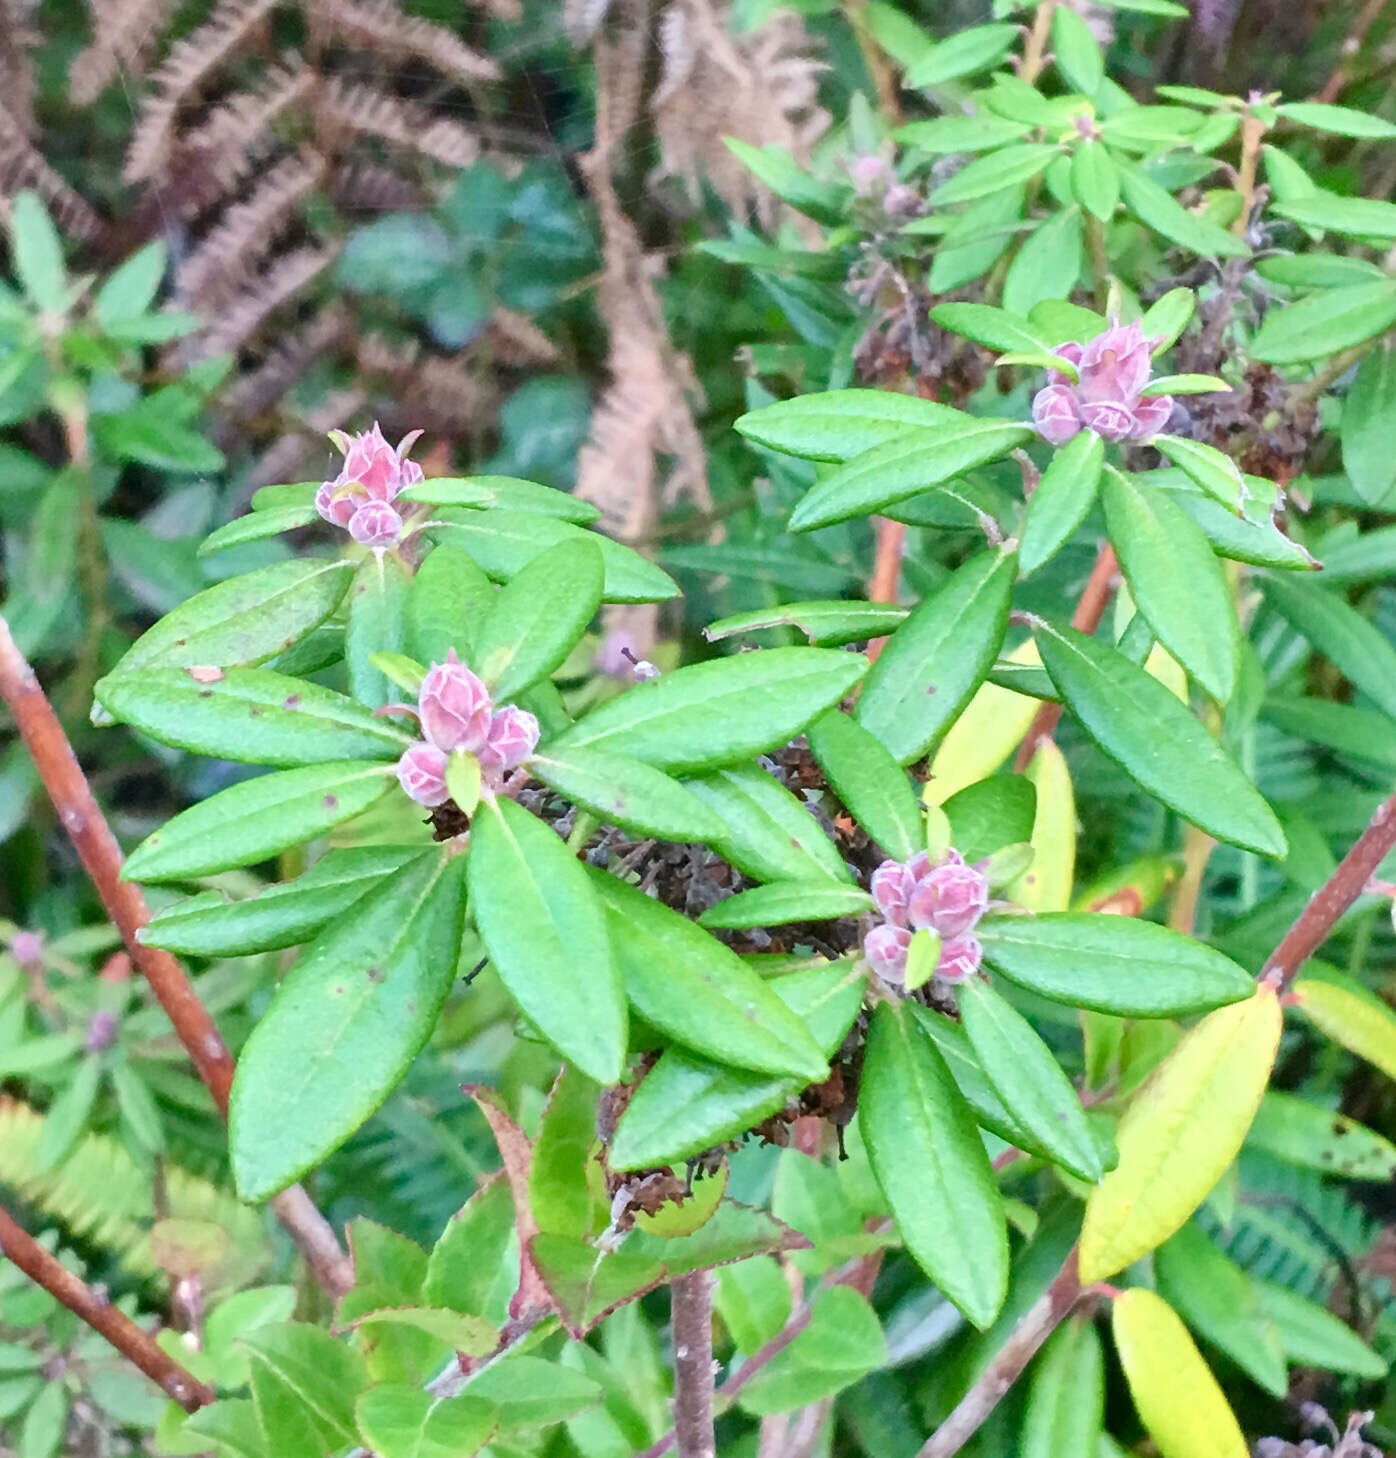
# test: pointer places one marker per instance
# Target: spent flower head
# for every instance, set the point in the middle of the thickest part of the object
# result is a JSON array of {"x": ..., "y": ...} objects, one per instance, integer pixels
[{"x": 1111, "y": 370}]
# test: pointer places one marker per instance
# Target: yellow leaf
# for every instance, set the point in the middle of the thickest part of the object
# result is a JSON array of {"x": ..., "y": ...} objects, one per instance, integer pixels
[
  {"x": 1173, "y": 1389},
  {"x": 986, "y": 733},
  {"x": 1180, "y": 1132},
  {"x": 1360, "y": 1022},
  {"x": 1169, "y": 672},
  {"x": 1046, "y": 884}
]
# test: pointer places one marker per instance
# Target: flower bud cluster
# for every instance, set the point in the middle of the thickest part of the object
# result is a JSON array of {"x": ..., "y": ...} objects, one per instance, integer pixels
[
  {"x": 1112, "y": 369},
  {"x": 456, "y": 713},
  {"x": 361, "y": 497},
  {"x": 947, "y": 898}
]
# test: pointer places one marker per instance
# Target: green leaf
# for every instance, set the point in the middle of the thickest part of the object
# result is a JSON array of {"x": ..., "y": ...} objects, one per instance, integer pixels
[
  {"x": 1175, "y": 581},
  {"x": 1174, "y": 1392},
  {"x": 1112, "y": 964},
  {"x": 903, "y": 467},
  {"x": 826, "y": 202},
  {"x": 1140, "y": 725},
  {"x": 280, "y": 915},
  {"x": 148, "y": 433},
  {"x": 1095, "y": 179},
  {"x": 253, "y": 820},
  {"x": 836, "y": 425},
  {"x": 529, "y": 1392},
  {"x": 768, "y": 833},
  {"x": 1250, "y": 537},
  {"x": 1156, "y": 207},
  {"x": 407, "y": 1422},
  {"x": 1064, "y": 495},
  {"x": 998, "y": 329},
  {"x": 251, "y": 715},
  {"x": 947, "y": 134},
  {"x": 1221, "y": 1303},
  {"x": 1185, "y": 385},
  {"x": 256, "y": 525},
  {"x": 1145, "y": 128},
  {"x": 559, "y": 1192},
  {"x": 468, "y": 1334},
  {"x": 1313, "y": 1337},
  {"x": 1316, "y": 270},
  {"x": 68, "y": 1114},
  {"x": 825, "y": 624},
  {"x": 979, "y": 237},
  {"x": 1298, "y": 1132},
  {"x": 1216, "y": 473},
  {"x": 721, "y": 711},
  {"x": 504, "y": 542},
  {"x": 231, "y": 1425},
  {"x": 477, "y": 1251},
  {"x": 538, "y": 617},
  {"x": 244, "y": 620},
  {"x": 990, "y": 814},
  {"x": 1180, "y": 1132},
  {"x": 1166, "y": 318},
  {"x": 1005, "y": 167},
  {"x": 1357, "y": 217},
  {"x": 363, "y": 996},
  {"x": 686, "y": 1104},
  {"x": 543, "y": 929},
  {"x": 1356, "y": 647},
  {"x": 325, "y": 1375},
  {"x": 1325, "y": 322},
  {"x": 447, "y": 599},
  {"x": 377, "y": 609},
  {"x": 964, "y": 54},
  {"x": 935, "y": 661},
  {"x": 784, "y": 902},
  {"x": 130, "y": 290},
  {"x": 1343, "y": 121},
  {"x": 842, "y": 1343},
  {"x": 1352, "y": 1016},
  {"x": 1368, "y": 407},
  {"x": 1077, "y": 54},
  {"x": 37, "y": 253},
  {"x": 872, "y": 785},
  {"x": 699, "y": 992},
  {"x": 629, "y": 793},
  {"x": 1025, "y": 1075},
  {"x": 929, "y": 1160},
  {"x": 1067, "y": 1398},
  {"x": 1048, "y": 263},
  {"x": 502, "y": 491}
]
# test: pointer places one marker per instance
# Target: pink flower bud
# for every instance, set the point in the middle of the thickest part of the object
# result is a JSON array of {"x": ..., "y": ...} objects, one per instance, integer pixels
[
  {"x": 1151, "y": 415},
  {"x": 102, "y": 1029},
  {"x": 1114, "y": 365},
  {"x": 422, "y": 773},
  {"x": 891, "y": 885},
  {"x": 27, "y": 948},
  {"x": 336, "y": 506},
  {"x": 949, "y": 900},
  {"x": 1055, "y": 415},
  {"x": 375, "y": 524},
  {"x": 1071, "y": 352},
  {"x": 871, "y": 175},
  {"x": 454, "y": 707},
  {"x": 513, "y": 737},
  {"x": 885, "y": 947},
  {"x": 1109, "y": 419},
  {"x": 959, "y": 958},
  {"x": 373, "y": 463}
]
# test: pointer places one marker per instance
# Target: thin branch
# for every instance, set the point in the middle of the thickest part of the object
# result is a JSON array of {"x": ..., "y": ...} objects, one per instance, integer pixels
[
  {"x": 1352, "y": 44},
  {"x": 691, "y": 1302},
  {"x": 98, "y": 1312},
  {"x": 101, "y": 858}
]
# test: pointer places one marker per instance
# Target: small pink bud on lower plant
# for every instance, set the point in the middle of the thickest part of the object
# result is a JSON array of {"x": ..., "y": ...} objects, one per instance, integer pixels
[
  {"x": 454, "y": 706},
  {"x": 512, "y": 738},
  {"x": 959, "y": 958},
  {"x": 422, "y": 774},
  {"x": 27, "y": 948},
  {"x": 949, "y": 899},
  {"x": 939, "y": 902}
]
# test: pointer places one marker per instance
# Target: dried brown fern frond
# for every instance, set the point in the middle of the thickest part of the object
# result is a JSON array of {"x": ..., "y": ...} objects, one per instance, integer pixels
[
  {"x": 515, "y": 340},
  {"x": 222, "y": 263},
  {"x": 18, "y": 36},
  {"x": 354, "y": 108},
  {"x": 22, "y": 165},
  {"x": 124, "y": 33},
  {"x": 380, "y": 27},
  {"x": 291, "y": 356},
  {"x": 365, "y": 187},
  {"x": 181, "y": 76},
  {"x": 444, "y": 395}
]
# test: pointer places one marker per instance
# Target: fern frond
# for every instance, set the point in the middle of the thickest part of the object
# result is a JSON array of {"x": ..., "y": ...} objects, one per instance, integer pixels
[
  {"x": 22, "y": 165},
  {"x": 124, "y": 33},
  {"x": 515, "y": 340},
  {"x": 17, "y": 84},
  {"x": 288, "y": 360},
  {"x": 100, "y": 1194},
  {"x": 364, "y": 187},
  {"x": 379, "y": 26},
  {"x": 363, "y": 110}
]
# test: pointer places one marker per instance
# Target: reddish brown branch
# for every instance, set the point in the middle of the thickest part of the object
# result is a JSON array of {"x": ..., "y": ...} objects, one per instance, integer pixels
[
  {"x": 123, "y": 1333},
  {"x": 691, "y": 1302},
  {"x": 885, "y": 583},
  {"x": 1352, "y": 44},
  {"x": 97, "y": 848},
  {"x": 1095, "y": 598}
]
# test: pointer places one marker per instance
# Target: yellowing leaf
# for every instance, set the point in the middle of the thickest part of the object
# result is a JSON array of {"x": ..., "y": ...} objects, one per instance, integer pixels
[
  {"x": 1046, "y": 884},
  {"x": 988, "y": 731},
  {"x": 1173, "y": 1388},
  {"x": 1180, "y": 1133},
  {"x": 1357, "y": 1020}
]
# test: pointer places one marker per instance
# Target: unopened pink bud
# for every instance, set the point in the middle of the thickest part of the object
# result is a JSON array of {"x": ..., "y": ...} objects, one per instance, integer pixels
[
  {"x": 959, "y": 958},
  {"x": 1109, "y": 419},
  {"x": 422, "y": 773},
  {"x": 1151, "y": 415},
  {"x": 513, "y": 737},
  {"x": 891, "y": 886},
  {"x": 1114, "y": 365},
  {"x": 950, "y": 900},
  {"x": 375, "y": 524},
  {"x": 1071, "y": 352},
  {"x": 336, "y": 505},
  {"x": 885, "y": 947},
  {"x": 102, "y": 1029},
  {"x": 373, "y": 463},
  {"x": 1055, "y": 415},
  {"x": 454, "y": 706},
  {"x": 27, "y": 948}
]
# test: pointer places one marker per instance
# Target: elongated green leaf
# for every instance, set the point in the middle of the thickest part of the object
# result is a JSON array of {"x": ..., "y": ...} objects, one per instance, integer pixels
[
  {"x": 1352, "y": 1016},
  {"x": 946, "y": 134},
  {"x": 783, "y": 902},
  {"x": 686, "y": 1104},
  {"x": 1112, "y": 964},
  {"x": 1313, "y": 1137},
  {"x": 825, "y": 624},
  {"x": 345, "y": 1025},
  {"x": 1067, "y": 1399},
  {"x": 872, "y": 785},
  {"x": 250, "y": 821},
  {"x": 256, "y": 525},
  {"x": 842, "y": 1343},
  {"x": 324, "y": 1374},
  {"x": 408, "y": 1422},
  {"x": 1064, "y": 495},
  {"x": 963, "y": 54},
  {"x": 1048, "y": 263},
  {"x": 1175, "y": 581},
  {"x": 376, "y": 624},
  {"x": 284, "y": 493},
  {"x": 1161, "y": 1364},
  {"x": 1355, "y": 646},
  {"x": 281, "y": 915},
  {"x": 935, "y": 661},
  {"x": 1368, "y": 408},
  {"x": 930, "y": 1162},
  {"x": 543, "y": 929},
  {"x": 1139, "y": 723},
  {"x": 1216, "y": 473},
  {"x": 531, "y": 1392},
  {"x": 999, "y": 329},
  {"x": 629, "y": 793},
  {"x": 982, "y": 234},
  {"x": 1313, "y": 1337},
  {"x": 244, "y": 620},
  {"x": 1005, "y": 167},
  {"x": 537, "y": 618},
  {"x": 1077, "y": 53},
  {"x": 1095, "y": 179},
  {"x": 768, "y": 832},
  {"x": 990, "y": 814},
  {"x": 248, "y": 714},
  {"x": 1185, "y": 385},
  {"x": 504, "y": 542},
  {"x": 1358, "y": 217},
  {"x": 719, "y": 712},
  {"x": 1180, "y": 1132},
  {"x": 1250, "y": 537},
  {"x": 1162, "y": 212},
  {"x": 1341, "y": 120},
  {"x": 908, "y": 464},
  {"x": 699, "y": 992},
  {"x": 1326, "y": 322},
  {"x": 469, "y": 1334},
  {"x": 1316, "y": 270},
  {"x": 1027, "y": 1077},
  {"x": 836, "y": 425},
  {"x": 502, "y": 491},
  {"x": 773, "y": 165},
  {"x": 37, "y": 252},
  {"x": 68, "y": 1114},
  {"x": 448, "y": 599}
]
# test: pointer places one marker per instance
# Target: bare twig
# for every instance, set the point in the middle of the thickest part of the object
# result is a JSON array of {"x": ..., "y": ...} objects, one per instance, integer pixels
[
  {"x": 1352, "y": 44},
  {"x": 691, "y": 1301},
  {"x": 101, "y": 858},
  {"x": 885, "y": 583},
  {"x": 98, "y": 1312},
  {"x": 1252, "y": 135}
]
